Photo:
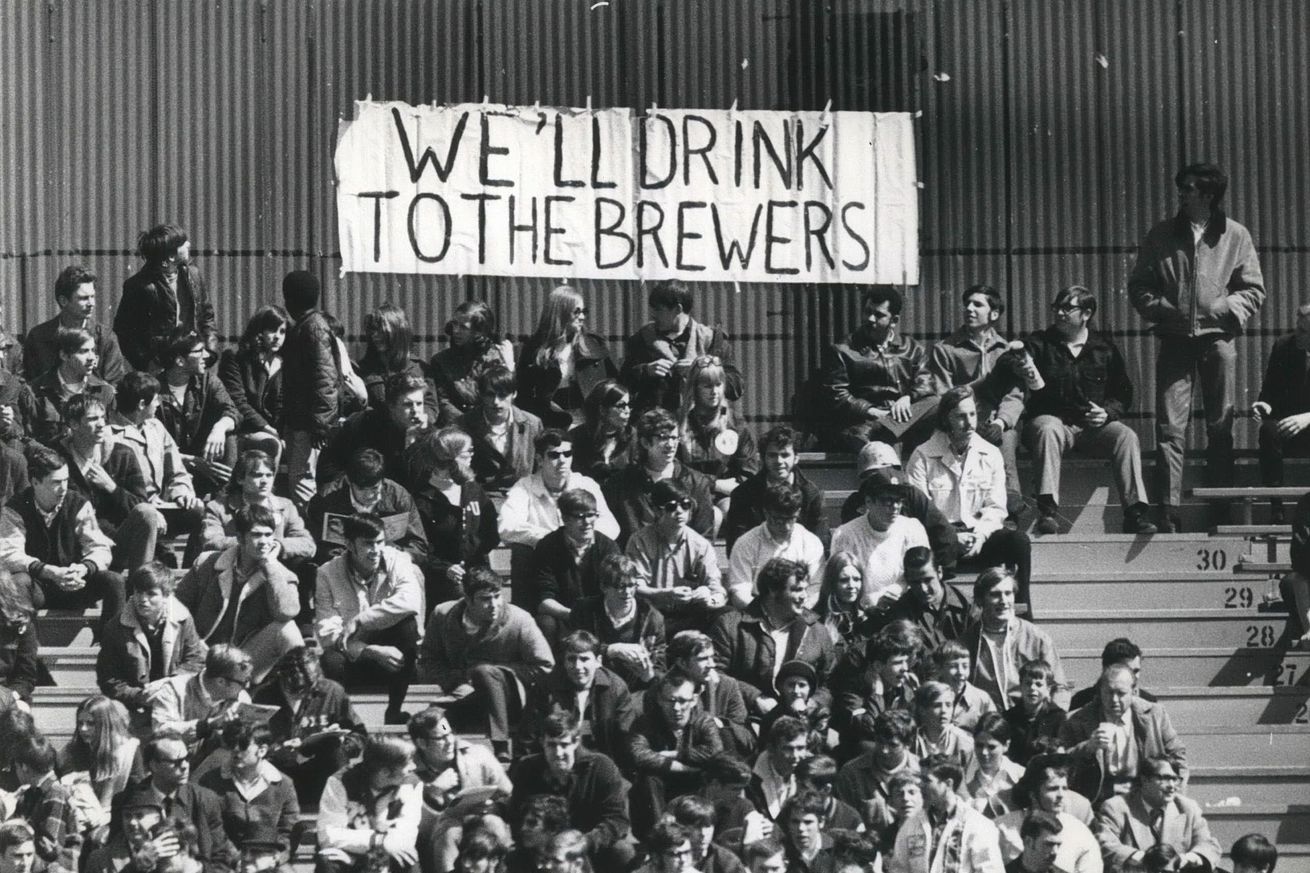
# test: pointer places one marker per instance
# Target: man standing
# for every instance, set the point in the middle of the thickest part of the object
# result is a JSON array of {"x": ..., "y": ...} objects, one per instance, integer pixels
[
  {"x": 1197, "y": 280},
  {"x": 657, "y": 358},
  {"x": 1087, "y": 391},
  {"x": 867, "y": 382},
  {"x": 75, "y": 295},
  {"x": 311, "y": 382}
]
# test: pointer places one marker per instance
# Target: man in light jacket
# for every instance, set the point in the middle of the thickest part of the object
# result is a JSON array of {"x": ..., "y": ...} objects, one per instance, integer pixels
[
  {"x": 1155, "y": 814},
  {"x": 366, "y": 611},
  {"x": 945, "y": 819},
  {"x": 964, "y": 476}
]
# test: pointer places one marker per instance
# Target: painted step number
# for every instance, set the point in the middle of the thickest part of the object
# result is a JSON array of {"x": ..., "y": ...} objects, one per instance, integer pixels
[
  {"x": 1211, "y": 559},
  {"x": 1238, "y": 597}
]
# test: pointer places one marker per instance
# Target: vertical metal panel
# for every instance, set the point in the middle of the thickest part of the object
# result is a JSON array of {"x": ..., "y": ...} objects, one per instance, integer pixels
[
  {"x": 963, "y": 167},
  {"x": 1049, "y": 133}
]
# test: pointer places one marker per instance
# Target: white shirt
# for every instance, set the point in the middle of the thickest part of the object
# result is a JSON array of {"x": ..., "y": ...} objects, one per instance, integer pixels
[
  {"x": 530, "y": 511},
  {"x": 881, "y": 553},
  {"x": 757, "y": 547}
]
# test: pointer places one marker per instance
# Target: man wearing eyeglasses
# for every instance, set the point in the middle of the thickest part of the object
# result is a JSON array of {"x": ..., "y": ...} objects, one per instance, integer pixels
[
  {"x": 196, "y": 706},
  {"x": 1197, "y": 280},
  {"x": 677, "y": 568},
  {"x": 1155, "y": 814},
  {"x": 180, "y": 801},
  {"x": 657, "y": 358},
  {"x": 531, "y": 510},
  {"x": 1087, "y": 392}
]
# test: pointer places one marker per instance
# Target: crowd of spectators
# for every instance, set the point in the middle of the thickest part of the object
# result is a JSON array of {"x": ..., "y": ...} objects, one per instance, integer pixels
[{"x": 868, "y": 696}]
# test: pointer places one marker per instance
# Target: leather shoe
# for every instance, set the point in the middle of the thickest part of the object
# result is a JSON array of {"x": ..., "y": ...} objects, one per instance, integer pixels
[{"x": 1136, "y": 522}]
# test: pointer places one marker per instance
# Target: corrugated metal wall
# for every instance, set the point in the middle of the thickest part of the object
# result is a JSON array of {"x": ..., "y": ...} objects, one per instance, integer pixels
[{"x": 1048, "y": 134}]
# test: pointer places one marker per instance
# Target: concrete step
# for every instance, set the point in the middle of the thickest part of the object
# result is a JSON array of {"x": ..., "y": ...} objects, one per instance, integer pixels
[
  {"x": 1170, "y": 552},
  {"x": 1255, "y": 666},
  {"x": 1193, "y": 708},
  {"x": 1149, "y": 589},
  {"x": 1288, "y": 784},
  {"x": 1262, "y": 746},
  {"x": 1163, "y": 628},
  {"x": 55, "y": 708},
  {"x": 72, "y": 666},
  {"x": 1280, "y": 822}
]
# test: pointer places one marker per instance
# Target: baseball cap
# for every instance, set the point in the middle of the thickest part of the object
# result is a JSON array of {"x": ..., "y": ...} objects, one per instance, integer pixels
[
  {"x": 874, "y": 456},
  {"x": 884, "y": 481}
]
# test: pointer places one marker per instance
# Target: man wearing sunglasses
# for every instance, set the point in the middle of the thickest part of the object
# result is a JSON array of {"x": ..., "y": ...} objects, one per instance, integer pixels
[
  {"x": 1197, "y": 280},
  {"x": 196, "y": 706},
  {"x": 678, "y": 570},
  {"x": 531, "y": 510},
  {"x": 1087, "y": 391}
]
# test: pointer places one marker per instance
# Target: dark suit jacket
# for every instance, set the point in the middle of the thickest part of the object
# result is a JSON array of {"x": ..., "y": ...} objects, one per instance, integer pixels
[
  {"x": 200, "y": 808},
  {"x": 556, "y": 576},
  {"x": 1286, "y": 386},
  {"x": 596, "y": 793},
  {"x": 628, "y": 494},
  {"x": 494, "y": 469},
  {"x": 256, "y": 395},
  {"x": 148, "y": 312},
  {"x": 746, "y": 651}
]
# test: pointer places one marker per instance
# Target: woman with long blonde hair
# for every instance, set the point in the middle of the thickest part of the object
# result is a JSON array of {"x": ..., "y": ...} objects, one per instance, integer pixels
[
  {"x": 562, "y": 362},
  {"x": 712, "y": 437},
  {"x": 103, "y": 748}
]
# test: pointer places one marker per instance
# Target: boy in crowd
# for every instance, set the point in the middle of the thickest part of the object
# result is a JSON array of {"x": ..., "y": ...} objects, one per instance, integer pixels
[
  {"x": 198, "y": 412},
  {"x": 152, "y": 639},
  {"x": 951, "y": 666},
  {"x": 677, "y": 567},
  {"x": 531, "y": 509},
  {"x": 779, "y": 458},
  {"x": 504, "y": 436},
  {"x": 50, "y": 540},
  {"x": 74, "y": 375}
]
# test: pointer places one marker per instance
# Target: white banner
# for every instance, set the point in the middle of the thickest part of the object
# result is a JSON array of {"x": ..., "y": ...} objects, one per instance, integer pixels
[{"x": 709, "y": 195}]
